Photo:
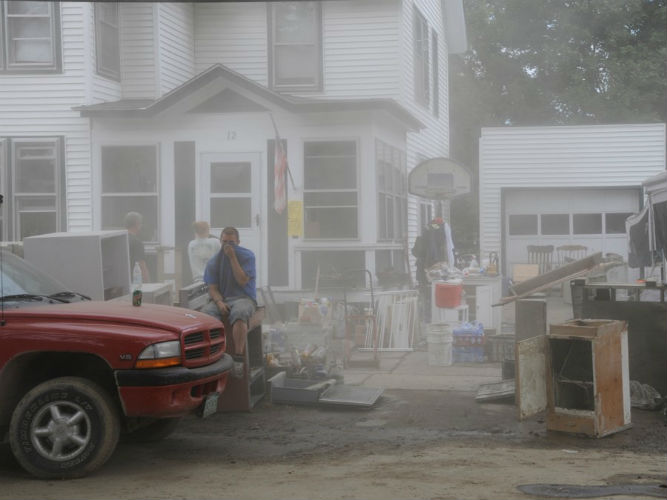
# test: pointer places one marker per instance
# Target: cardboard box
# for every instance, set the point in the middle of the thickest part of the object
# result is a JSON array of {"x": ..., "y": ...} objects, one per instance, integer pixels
[{"x": 523, "y": 272}]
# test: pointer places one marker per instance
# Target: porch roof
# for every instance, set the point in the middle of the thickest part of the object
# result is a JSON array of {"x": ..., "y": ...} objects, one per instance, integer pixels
[{"x": 146, "y": 108}]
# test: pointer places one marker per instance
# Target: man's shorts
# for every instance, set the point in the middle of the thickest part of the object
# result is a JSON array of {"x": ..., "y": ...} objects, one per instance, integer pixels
[{"x": 240, "y": 309}]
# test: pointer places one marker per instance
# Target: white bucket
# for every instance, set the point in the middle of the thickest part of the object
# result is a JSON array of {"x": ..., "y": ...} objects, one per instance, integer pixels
[{"x": 439, "y": 339}]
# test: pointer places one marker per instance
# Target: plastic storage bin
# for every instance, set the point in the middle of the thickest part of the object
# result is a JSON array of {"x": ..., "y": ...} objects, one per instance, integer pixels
[{"x": 448, "y": 294}]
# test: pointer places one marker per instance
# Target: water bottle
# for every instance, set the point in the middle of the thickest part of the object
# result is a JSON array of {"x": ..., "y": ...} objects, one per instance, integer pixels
[{"x": 136, "y": 285}]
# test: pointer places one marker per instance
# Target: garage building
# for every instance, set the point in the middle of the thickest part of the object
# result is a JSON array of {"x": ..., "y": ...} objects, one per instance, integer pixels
[{"x": 565, "y": 185}]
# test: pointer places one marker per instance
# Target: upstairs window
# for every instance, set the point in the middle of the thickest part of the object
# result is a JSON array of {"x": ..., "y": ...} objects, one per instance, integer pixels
[
  {"x": 421, "y": 59},
  {"x": 330, "y": 194},
  {"x": 30, "y": 37},
  {"x": 295, "y": 41},
  {"x": 435, "y": 75},
  {"x": 107, "y": 40}
]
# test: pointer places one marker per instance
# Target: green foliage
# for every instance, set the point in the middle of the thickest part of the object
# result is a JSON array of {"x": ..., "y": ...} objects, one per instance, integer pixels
[{"x": 555, "y": 62}]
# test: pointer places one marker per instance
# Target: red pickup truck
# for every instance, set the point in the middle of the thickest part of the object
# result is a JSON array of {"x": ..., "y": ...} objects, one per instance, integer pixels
[{"x": 75, "y": 373}]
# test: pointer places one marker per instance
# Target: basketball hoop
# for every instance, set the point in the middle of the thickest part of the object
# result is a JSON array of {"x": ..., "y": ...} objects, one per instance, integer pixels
[{"x": 439, "y": 179}]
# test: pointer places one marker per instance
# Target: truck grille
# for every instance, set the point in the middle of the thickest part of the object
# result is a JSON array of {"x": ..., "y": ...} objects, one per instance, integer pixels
[{"x": 203, "y": 347}]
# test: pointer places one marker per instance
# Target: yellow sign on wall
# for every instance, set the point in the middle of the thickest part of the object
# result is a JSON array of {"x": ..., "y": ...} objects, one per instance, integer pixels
[{"x": 295, "y": 218}]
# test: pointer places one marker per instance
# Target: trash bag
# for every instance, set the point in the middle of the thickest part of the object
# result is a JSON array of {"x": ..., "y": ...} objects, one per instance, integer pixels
[{"x": 644, "y": 397}]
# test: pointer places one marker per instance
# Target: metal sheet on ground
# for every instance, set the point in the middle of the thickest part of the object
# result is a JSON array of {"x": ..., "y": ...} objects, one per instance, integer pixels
[
  {"x": 351, "y": 395},
  {"x": 497, "y": 391}
]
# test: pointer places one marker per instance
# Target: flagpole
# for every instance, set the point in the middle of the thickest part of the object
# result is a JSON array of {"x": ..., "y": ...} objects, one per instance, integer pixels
[{"x": 289, "y": 172}]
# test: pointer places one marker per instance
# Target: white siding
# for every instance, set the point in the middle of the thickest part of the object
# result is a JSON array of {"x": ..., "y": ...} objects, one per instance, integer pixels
[
  {"x": 360, "y": 43},
  {"x": 433, "y": 140},
  {"x": 176, "y": 44},
  {"x": 138, "y": 61},
  {"x": 233, "y": 34},
  {"x": 572, "y": 156},
  {"x": 102, "y": 89},
  {"x": 41, "y": 106}
]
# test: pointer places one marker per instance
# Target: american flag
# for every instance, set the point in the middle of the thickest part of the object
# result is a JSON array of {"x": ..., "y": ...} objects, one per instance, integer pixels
[{"x": 279, "y": 168}]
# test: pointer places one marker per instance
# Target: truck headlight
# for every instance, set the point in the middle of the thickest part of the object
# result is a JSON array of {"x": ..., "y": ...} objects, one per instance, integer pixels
[{"x": 160, "y": 355}]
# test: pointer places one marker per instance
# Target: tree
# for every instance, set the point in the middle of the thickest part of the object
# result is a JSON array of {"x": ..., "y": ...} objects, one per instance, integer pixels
[{"x": 554, "y": 62}]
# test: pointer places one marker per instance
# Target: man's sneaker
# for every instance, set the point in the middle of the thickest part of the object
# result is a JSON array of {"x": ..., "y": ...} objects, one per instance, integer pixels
[{"x": 237, "y": 369}]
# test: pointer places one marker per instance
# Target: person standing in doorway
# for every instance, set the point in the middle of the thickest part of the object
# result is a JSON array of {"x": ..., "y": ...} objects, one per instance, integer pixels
[
  {"x": 201, "y": 249},
  {"x": 230, "y": 276},
  {"x": 133, "y": 222}
]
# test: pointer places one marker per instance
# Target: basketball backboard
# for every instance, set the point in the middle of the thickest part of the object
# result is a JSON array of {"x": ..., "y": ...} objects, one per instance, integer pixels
[{"x": 439, "y": 179}]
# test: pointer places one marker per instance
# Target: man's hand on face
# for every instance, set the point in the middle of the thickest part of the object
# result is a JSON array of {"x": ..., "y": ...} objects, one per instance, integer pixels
[{"x": 228, "y": 248}]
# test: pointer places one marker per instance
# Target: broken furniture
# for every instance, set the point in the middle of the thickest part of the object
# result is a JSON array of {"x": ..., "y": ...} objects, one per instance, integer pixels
[
  {"x": 579, "y": 373},
  {"x": 588, "y": 383},
  {"x": 299, "y": 391},
  {"x": 643, "y": 307}
]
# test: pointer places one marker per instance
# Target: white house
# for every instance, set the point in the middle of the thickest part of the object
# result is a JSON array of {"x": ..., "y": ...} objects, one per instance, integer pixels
[
  {"x": 168, "y": 109},
  {"x": 563, "y": 185}
]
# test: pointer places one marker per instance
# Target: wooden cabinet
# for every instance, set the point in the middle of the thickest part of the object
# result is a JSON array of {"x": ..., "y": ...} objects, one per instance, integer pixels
[
  {"x": 579, "y": 374},
  {"x": 96, "y": 263},
  {"x": 588, "y": 383}
]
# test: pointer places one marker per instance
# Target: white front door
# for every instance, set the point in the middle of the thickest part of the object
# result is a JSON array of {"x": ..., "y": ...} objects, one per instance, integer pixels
[{"x": 230, "y": 196}]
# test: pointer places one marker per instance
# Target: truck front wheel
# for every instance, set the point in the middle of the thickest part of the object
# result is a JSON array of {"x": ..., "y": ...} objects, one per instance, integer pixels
[{"x": 64, "y": 428}]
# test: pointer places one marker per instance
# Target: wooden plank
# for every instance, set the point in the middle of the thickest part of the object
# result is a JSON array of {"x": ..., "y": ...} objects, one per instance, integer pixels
[
  {"x": 608, "y": 367},
  {"x": 572, "y": 421},
  {"x": 548, "y": 280}
]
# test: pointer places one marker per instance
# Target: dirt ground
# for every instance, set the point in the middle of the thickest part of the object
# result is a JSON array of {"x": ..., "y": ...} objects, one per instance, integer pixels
[{"x": 412, "y": 444}]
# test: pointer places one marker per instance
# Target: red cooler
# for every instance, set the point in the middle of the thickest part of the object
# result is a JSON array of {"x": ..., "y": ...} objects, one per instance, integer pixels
[{"x": 448, "y": 294}]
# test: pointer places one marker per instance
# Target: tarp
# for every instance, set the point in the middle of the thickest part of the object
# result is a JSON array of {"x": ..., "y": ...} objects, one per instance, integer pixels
[
  {"x": 647, "y": 230},
  {"x": 640, "y": 238}
]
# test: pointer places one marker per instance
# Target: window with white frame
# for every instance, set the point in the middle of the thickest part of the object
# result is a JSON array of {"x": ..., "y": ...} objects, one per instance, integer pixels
[
  {"x": 330, "y": 194},
  {"x": 32, "y": 182},
  {"x": 130, "y": 184},
  {"x": 390, "y": 166},
  {"x": 421, "y": 58},
  {"x": 425, "y": 213},
  {"x": 295, "y": 41},
  {"x": 30, "y": 36},
  {"x": 435, "y": 77},
  {"x": 107, "y": 40}
]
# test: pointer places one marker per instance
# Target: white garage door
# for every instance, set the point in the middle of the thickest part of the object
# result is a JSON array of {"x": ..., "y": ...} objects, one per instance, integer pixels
[{"x": 594, "y": 218}]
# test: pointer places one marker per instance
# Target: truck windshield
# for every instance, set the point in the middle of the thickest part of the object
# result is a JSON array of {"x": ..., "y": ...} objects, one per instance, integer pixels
[{"x": 18, "y": 277}]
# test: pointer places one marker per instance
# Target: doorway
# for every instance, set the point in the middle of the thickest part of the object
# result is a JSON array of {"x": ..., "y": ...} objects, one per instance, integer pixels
[{"x": 230, "y": 190}]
